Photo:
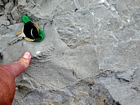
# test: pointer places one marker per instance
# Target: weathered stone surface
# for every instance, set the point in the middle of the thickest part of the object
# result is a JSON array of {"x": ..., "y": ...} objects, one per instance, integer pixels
[
  {"x": 83, "y": 39},
  {"x": 4, "y": 21},
  {"x": 121, "y": 90},
  {"x": 1, "y": 3},
  {"x": 83, "y": 93}
]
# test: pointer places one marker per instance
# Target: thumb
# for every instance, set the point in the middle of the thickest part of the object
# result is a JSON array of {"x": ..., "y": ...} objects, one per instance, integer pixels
[{"x": 20, "y": 66}]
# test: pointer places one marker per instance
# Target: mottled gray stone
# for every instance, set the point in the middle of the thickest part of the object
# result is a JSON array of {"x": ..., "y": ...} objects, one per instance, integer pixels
[
  {"x": 5, "y": 1},
  {"x": 22, "y": 2},
  {"x": 4, "y": 21},
  {"x": 83, "y": 38},
  {"x": 1, "y": 3},
  {"x": 126, "y": 76},
  {"x": 82, "y": 93},
  {"x": 14, "y": 13},
  {"x": 121, "y": 91},
  {"x": 9, "y": 6}
]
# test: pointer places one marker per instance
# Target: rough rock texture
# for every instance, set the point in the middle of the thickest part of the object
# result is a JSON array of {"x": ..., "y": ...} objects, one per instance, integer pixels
[{"x": 90, "y": 54}]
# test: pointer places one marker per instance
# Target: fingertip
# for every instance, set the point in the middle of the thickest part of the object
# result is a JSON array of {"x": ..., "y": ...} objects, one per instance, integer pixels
[
  {"x": 26, "y": 55},
  {"x": 20, "y": 66}
]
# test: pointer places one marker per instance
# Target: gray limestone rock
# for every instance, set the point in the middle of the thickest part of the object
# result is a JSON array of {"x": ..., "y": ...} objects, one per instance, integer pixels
[
  {"x": 82, "y": 93},
  {"x": 126, "y": 76},
  {"x": 4, "y": 21},
  {"x": 90, "y": 54},
  {"x": 1, "y": 3}
]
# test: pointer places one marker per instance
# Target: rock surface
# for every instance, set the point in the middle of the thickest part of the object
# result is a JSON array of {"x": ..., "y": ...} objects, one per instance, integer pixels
[{"x": 90, "y": 54}]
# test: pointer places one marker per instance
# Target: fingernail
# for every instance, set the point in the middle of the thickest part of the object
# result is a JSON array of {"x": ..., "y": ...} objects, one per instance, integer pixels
[{"x": 26, "y": 55}]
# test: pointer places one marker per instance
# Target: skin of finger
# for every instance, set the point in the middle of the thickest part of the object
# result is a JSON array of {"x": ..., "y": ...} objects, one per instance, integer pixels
[
  {"x": 24, "y": 62},
  {"x": 20, "y": 66},
  {"x": 7, "y": 79},
  {"x": 7, "y": 85}
]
